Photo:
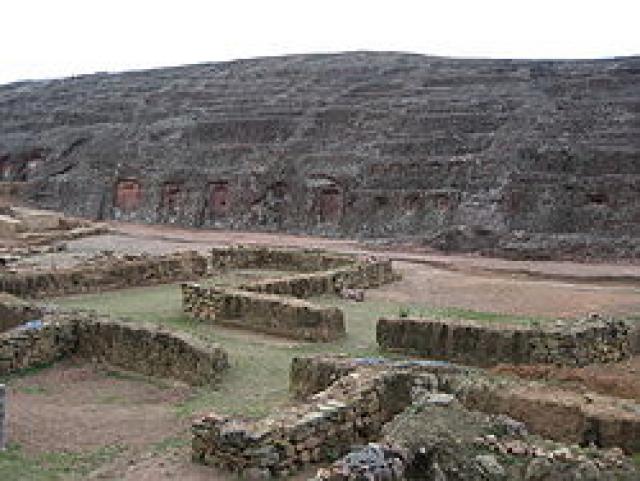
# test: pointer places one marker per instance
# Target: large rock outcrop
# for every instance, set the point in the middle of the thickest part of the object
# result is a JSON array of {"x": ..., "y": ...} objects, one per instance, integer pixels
[{"x": 523, "y": 158}]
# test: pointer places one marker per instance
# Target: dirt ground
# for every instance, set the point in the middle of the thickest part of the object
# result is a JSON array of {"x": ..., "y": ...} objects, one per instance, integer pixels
[
  {"x": 81, "y": 407},
  {"x": 92, "y": 407},
  {"x": 545, "y": 289},
  {"x": 621, "y": 380}
]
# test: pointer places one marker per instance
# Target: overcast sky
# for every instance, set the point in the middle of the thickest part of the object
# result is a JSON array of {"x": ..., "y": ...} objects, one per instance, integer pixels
[{"x": 54, "y": 38}]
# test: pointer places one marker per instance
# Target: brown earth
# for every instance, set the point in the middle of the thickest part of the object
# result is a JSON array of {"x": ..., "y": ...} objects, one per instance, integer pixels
[
  {"x": 93, "y": 408},
  {"x": 74, "y": 406},
  {"x": 620, "y": 380},
  {"x": 546, "y": 289}
]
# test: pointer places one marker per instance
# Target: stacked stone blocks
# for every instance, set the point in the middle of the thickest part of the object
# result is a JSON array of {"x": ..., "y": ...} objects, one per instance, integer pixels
[
  {"x": 570, "y": 343},
  {"x": 115, "y": 274},
  {"x": 285, "y": 316},
  {"x": 273, "y": 305},
  {"x": 143, "y": 348}
]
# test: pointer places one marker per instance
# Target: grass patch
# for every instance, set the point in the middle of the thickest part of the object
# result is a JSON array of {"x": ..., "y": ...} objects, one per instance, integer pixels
[
  {"x": 17, "y": 466},
  {"x": 258, "y": 380},
  {"x": 33, "y": 389},
  {"x": 173, "y": 442},
  {"x": 26, "y": 372}
]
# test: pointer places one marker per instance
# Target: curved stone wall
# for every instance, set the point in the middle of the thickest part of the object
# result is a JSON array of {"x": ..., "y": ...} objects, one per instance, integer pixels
[
  {"x": 271, "y": 305},
  {"x": 143, "y": 348}
]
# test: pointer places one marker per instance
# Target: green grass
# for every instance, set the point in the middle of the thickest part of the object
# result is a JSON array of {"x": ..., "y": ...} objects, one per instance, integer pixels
[
  {"x": 258, "y": 379},
  {"x": 33, "y": 389},
  {"x": 255, "y": 385},
  {"x": 15, "y": 465}
]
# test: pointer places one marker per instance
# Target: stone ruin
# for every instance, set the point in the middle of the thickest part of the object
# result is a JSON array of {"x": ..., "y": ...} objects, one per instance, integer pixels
[
  {"x": 526, "y": 159},
  {"x": 576, "y": 342},
  {"x": 32, "y": 227},
  {"x": 363, "y": 418},
  {"x": 277, "y": 305},
  {"x": 143, "y": 348},
  {"x": 421, "y": 420}
]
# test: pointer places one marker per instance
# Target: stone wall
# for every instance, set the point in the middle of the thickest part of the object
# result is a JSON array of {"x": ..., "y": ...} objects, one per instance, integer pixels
[
  {"x": 14, "y": 311},
  {"x": 271, "y": 305},
  {"x": 558, "y": 414},
  {"x": 360, "y": 275},
  {"x": 439, "y": 439},
  {"x": 312, "y": 374},
  {"x": 151, "y": 350},
  {"x": 131, "y": 271},
  {"x": 285, "y": 316},
  {"x": 571, "y": 343},
  {"x": 351, "y": 411},
  {"x": 143, "y": 348},
  {"x": 348, "y": 401},
  {"x": 24, "y": 348},
  {"x": 257, "y": 257}
]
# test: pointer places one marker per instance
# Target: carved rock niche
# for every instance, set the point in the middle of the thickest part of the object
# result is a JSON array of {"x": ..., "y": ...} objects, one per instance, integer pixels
[
  {"x": 170, "y": 197},
  {"x": 219, "y": 198},
  {"x": 128, "y": 194}
]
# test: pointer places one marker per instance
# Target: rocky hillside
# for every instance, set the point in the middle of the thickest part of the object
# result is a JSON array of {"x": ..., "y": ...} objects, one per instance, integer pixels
[{"x": 519, "y": 158}]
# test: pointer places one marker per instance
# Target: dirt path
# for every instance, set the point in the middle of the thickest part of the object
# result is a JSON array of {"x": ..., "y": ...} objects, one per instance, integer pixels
[{"x": 547, "y": 289}]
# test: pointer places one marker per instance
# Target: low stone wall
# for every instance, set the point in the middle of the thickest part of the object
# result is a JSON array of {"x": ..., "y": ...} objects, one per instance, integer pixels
[
  {"x": 256, "y": 257},
  {"x": 15, "y": 311},
  {"x": 25, "y": 348},
  {"x": 558, "y": 414},
  {"x": 361, "y": 275},
  {"x": 571, "y": 343},
  {"x": 312, "y": 374},
  {"x": 438, "y": 439},
  {"x": 108, "y": 274},
  {"x": 142, "y": 348},
  {"x": 634, "y": 337},
  {"x": 285, "y": 316},
  {"x": 349, "y": 400},
  {"x": 150, "y": 350},
  {"x": 351, "y": 411}
]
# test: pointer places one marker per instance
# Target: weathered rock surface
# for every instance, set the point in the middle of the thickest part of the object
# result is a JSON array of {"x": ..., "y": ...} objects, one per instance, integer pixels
[{"x": 520, "y": 158}]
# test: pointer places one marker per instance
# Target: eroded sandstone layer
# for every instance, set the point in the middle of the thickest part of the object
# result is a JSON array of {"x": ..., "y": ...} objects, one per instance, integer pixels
[{"x": 519, "y": 158}]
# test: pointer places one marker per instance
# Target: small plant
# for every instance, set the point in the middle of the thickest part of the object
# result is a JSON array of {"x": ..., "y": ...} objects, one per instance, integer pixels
[{"x": 404, "y": 312}]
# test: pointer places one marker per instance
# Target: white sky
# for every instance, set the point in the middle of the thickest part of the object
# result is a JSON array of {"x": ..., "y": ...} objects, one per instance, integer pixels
[{"x": 54, "y": 38}]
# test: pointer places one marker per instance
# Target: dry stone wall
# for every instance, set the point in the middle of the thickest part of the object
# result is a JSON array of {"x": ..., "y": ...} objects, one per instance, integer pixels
[
  {"x": 137, "y": 347},
  {"x": 439, "y": 439},
  {"x": 285, "y": 316},
  {"x": 558, "y": 414},
  {"x": 351, "y": 411},
  {"x": 360, "y": 275},
  {"x": 107, "y": 274},
  {"x": 25, "y": 348},
  {"x": 348, "y": 401},
  {"x": 570, "y": 343},
  {"x": 14, "y": 311},
  {"x": 248, "y": 256},
  {"x": 271, "y": 305}
]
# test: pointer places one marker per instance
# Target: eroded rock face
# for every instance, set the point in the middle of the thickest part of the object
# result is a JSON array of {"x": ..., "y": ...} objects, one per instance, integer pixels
[{"x": 519, "y": 158}]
